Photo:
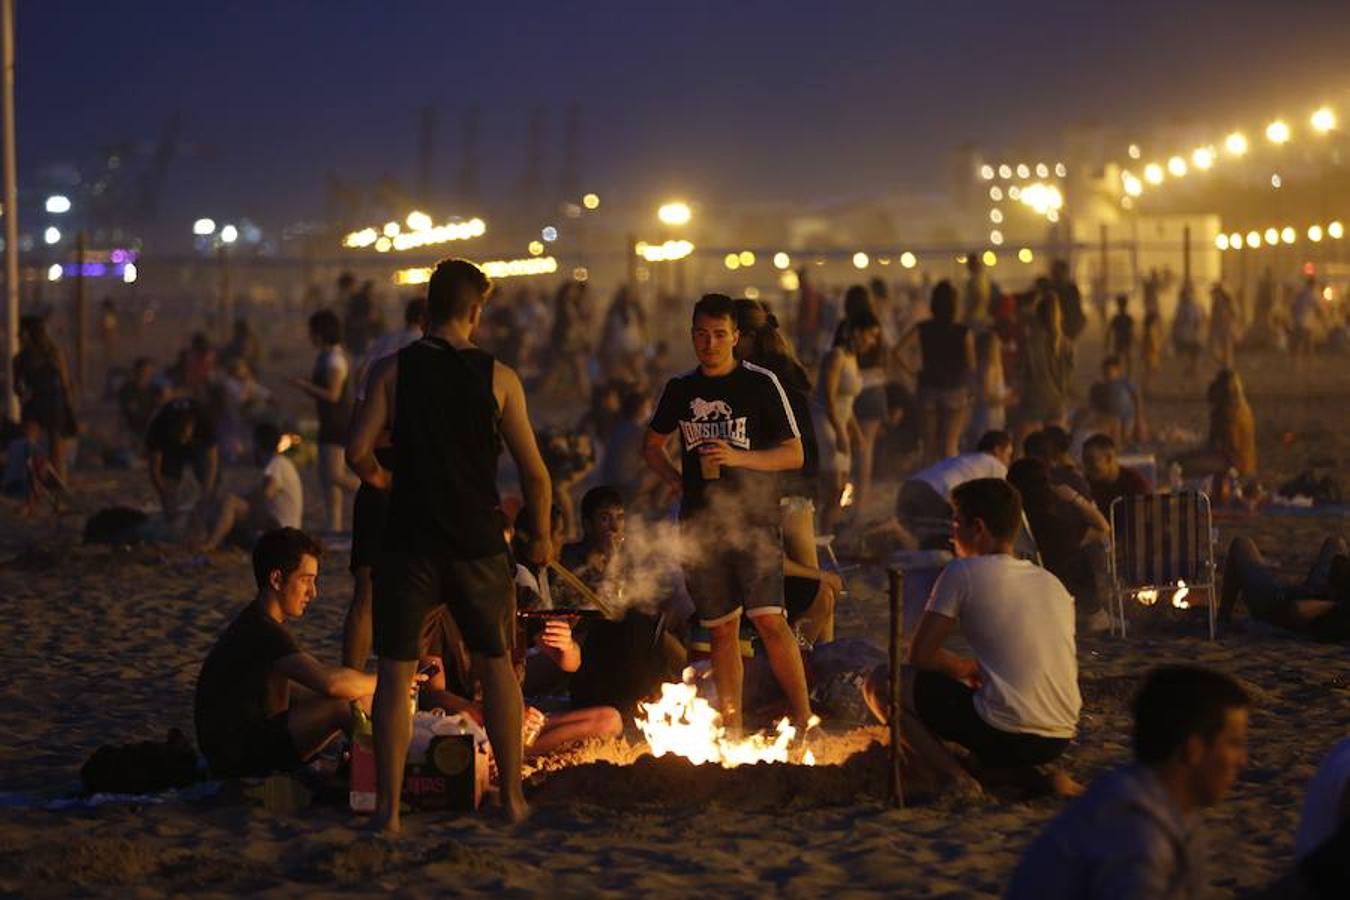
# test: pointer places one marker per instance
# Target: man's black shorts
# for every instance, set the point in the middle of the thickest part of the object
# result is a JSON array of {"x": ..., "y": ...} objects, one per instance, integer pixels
[
  {"x": 742, "y": 572},
  {"x": 948, "y": 707},
  {"x": 368, "y": 517},
  {"x": 259, "y": 748},
  {"x": 479, "y": 593}
]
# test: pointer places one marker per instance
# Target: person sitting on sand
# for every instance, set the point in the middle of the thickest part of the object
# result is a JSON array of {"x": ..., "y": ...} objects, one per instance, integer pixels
[
  {"x": 1318, "y": 606},
  {"x": 1071, "y": 535},
  {"x": 1231, "y": 444},
  {"x": 450, "y": 686},
  {"x": 277, "y": 501},
  {"x": 247, "y": 722},
  {"x": 1053, "y": 445},
  {"x": 1015, "y": 705},
  {"x": 924, "y": 507},
  {"x": 1106, "y": 476},
  {"x": 1136, "y": 832},
  {"x": 181, "y": 435},
  {"x": 624, "y": 659}
]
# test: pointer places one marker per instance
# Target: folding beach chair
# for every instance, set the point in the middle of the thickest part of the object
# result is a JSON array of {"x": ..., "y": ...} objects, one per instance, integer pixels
[{"x": 1159, "y": 541}]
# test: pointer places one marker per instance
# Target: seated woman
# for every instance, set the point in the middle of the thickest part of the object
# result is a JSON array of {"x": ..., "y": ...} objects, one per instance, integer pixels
[
  {"x": 1318, "y": 606},
  {"x": 1071, "y": 535},
  {"x": 1232, "y": 435},
  {"x": 452, "y": 687}
]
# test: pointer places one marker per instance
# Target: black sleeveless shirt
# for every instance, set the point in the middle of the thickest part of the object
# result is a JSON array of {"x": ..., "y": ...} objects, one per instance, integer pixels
[
  {"x": 446, "y": 442},
  {"x": 942, "y": 347}
]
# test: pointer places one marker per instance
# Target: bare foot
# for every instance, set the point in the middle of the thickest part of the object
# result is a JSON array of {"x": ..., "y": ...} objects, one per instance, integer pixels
[
  {"x": 1063, "y": 785},
  {"x": 516, "y": 810},
  {"x": 388, "y": 825}
]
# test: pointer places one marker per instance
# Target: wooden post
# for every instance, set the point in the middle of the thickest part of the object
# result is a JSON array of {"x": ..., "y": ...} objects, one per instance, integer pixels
[
  {"x": 81, "y": 315},
  {"x": 1186, "y": 255},
  {"x": 894, "y": 702},
  {"x": 11, "y": 211}
]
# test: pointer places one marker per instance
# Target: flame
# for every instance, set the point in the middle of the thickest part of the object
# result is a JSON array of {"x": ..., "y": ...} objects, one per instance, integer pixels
[
  {"x": 846, "y": 498},
  {"x": 685, "y": 724},
  {"x": 287, "y": 442},
  {"x": 1179, "y": 598},
  {"x": 1148, "y": 597}
]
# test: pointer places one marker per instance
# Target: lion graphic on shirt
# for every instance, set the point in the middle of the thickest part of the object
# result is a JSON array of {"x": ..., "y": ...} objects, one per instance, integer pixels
[{"x": 703, "y": 410}]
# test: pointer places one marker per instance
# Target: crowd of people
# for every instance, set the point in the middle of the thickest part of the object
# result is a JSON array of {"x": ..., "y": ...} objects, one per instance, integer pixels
[{"x": 749, "y": 462}]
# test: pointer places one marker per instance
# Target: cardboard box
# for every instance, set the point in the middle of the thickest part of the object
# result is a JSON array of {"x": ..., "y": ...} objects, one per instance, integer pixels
[{"x": 452, "y": 776}]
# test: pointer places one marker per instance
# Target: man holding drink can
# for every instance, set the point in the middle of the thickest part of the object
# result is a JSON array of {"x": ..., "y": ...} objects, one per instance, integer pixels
[{"x": 737, "y": 432}]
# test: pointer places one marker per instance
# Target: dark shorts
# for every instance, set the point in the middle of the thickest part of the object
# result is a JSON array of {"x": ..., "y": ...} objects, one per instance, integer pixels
[
  {"x": 723, "y": 580},
  {"x": 174, "y": 463},
  {"x": 368, "y": 516},
  {"x": 259, "y": 748},
  {"x": 932, "y": 399},
  {"x": 948, "y": 708},
  {"x": 479, "y": 593},
  {"x": 870, "y": 404}
]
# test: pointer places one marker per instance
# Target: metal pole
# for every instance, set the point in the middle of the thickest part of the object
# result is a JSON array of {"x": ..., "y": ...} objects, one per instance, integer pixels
[
  {"x": 894, "y": 703},
  {"x": 11, "y": 212},
  {"x": 81, "y": 316}
]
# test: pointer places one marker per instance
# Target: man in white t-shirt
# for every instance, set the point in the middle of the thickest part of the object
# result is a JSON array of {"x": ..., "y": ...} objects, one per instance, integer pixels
[
  {"x": 278, "y": 501},
  {"x": 924, "y": 505},
  {"x": 1015, "y": 705}
]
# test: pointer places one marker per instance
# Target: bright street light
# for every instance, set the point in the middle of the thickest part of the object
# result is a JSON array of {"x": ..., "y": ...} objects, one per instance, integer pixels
[
  {"x": 58, "y": 203},
  {"x": 591, "y": 201},
  {"x": 1277, "y": 132},
  {"x": 1323, "y": 120},
  {"x": 229, "y": 234},
  {"x": 676, "y": 213},
  {"x": 52, "y": 234},
  {"x": 203, "y": 227},
  {"x": 1235, "y": 143}
]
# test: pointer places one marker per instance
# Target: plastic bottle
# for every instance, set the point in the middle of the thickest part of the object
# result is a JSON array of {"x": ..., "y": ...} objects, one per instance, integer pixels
[{"x": 363, "y": 734}]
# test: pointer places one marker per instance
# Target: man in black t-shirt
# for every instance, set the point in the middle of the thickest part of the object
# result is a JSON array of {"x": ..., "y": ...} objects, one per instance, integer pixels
[
  {"x": 736, "y": 432},
  {"x": 247, "y": 723},
  {"x": 180, "y": 435}
]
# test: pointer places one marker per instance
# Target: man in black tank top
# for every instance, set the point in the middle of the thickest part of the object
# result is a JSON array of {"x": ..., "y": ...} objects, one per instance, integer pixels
[{"x": 449, "y": 406}]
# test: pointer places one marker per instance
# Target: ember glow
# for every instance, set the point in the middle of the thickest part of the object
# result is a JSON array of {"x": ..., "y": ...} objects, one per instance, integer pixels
[
  {"x": 685, "y": 724},
  {"x": 846, "y": 498},
  {"x": 1179, "y": 598}
]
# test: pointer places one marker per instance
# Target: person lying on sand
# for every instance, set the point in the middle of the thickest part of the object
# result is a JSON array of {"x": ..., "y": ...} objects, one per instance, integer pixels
[
  {"x": 1136, "y": 832},
  {"x": 277, "y": 501},
  {"x": 450, "y": 686},
  {"x": 1015, "y": 706},
  {"x": 247, "y": 722},
  {"x": 1318, "y": 606}
]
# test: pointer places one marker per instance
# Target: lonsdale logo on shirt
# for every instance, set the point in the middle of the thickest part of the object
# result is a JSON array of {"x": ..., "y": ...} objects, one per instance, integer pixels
[{"x": 713, "y": 420}]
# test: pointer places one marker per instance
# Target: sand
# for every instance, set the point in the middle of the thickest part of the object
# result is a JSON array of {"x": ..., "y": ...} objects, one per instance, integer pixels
[{"x": 100, "y": 646}]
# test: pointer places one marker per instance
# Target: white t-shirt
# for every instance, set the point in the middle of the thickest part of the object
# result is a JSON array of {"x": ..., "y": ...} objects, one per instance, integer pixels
[
  {"x": 287, "y": 505},
  {"x": 1019, "y": 620},
  {"x": 946, "y": 474}
]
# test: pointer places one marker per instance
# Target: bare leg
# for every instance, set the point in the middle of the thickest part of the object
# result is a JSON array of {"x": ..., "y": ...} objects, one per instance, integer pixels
[
  {"x": 574, "y": 726},
  {"x": 232, "y": 510},
  {"x": 785, "y": 658},
  {"x": 954, "y": 423},
  {"x": 817, "y": 623},
  {"x": 316, "y": 721},
  {"x": 356, "y": 627},
  {"x": 337, "y": 480},
  {"x": 866, "y": 460},
  {"x": 392, "y": 721},
  {"x": 799, "y": 537},
  {"x": 728, "y": 670},
  {"x": 502, "y": 714},
  {"x": 930, "y": 434}
]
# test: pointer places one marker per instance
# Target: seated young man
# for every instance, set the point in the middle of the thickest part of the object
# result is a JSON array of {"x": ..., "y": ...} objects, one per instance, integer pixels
[
  {"x": 451, "y": 686},
  {"x": 247, "y": 722},
  {"x": 626, "y": 659},
  {"x": 1015, "y": 705},
  {"x": 181, "y": 435},
  {"x": 1107, "y": 477},
  {"x": 1136, "y": 832},
  {"x": 1318, "y": 606},
  {"x": 276, "y": 502},
  {"x": 923, "y": 507}
]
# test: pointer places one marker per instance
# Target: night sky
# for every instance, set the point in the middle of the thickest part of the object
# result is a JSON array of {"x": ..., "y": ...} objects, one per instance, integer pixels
[{"x": 798, "y": 103}]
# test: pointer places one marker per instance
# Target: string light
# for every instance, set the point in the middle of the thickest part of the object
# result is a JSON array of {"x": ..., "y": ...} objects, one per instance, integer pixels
[
  {"x": 1025, "y": 255},
  {"x": 1277, "y": 132},
  {"x": 1177, "y": 166},
  {"x": 422, "y": 233},
  {"x": 781, "y": 260},
  {"x": 1323, "y": 120},
  {"x": 860, "y": 260},
  {"x": 1236, "y": 143},
  {"x": 1273, "y": 236},
  {"x": 908, "y": 260},
  {"x": 497, "y": 268},
  {"x": 666, "y": 252}
]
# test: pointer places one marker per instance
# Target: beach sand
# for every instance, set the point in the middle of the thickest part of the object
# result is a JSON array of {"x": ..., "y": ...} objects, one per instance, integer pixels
[{"x": 100, "y": 646}]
